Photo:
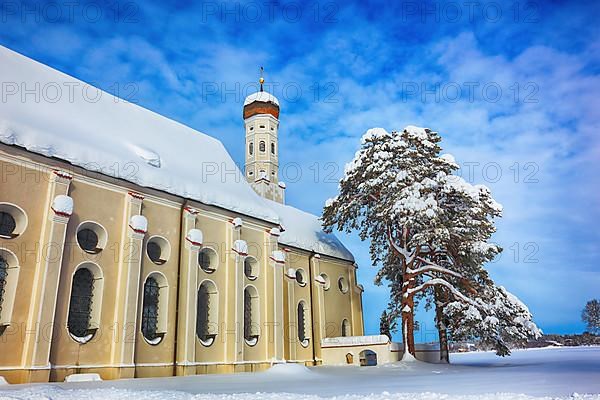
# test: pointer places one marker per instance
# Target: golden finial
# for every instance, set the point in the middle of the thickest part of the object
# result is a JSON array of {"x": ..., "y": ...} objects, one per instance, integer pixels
[{"x": 261, "y": 80}]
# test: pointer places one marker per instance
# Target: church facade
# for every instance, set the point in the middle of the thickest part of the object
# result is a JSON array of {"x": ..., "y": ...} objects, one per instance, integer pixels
[{"x": 132, "y": 246}]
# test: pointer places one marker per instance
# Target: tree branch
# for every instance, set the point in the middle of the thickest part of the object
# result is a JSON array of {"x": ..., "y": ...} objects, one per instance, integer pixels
[
  {"x": 441, "y": 282},
  {"x": 432, "y": 267}
]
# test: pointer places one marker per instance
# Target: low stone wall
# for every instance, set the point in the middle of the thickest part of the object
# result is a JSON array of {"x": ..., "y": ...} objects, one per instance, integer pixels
[{"x": 371, "y": 350}]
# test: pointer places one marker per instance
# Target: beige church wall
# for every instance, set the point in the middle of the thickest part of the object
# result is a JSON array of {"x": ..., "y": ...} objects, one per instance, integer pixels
[
  {"x": 254, "y": 235},
  {"x": 163, "y": 221},
  {"x": 214, "y": 229},
  {"x": 337, "y": 305},
  {"x": 298, "y": 352},
  {"x": 102, "y": 204},
  {"x": 25, "y": 185}
]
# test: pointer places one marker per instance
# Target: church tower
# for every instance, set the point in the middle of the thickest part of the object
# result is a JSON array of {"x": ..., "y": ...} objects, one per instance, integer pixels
[{"x": 261, "y": 122}]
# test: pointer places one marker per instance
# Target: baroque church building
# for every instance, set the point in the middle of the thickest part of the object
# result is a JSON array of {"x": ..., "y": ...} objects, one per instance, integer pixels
[{"x": 132, "y": 245}]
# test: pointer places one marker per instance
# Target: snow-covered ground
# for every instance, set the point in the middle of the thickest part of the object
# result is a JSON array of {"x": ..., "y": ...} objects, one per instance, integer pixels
[{"x": 557, "y": 373}]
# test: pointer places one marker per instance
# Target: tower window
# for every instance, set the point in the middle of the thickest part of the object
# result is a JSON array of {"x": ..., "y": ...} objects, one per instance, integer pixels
[
  {"x": 251, "y": 148},
  {"x": 272, "y": 148},
  {"x": 262, "y": 147},
  {"x": 262, "y": 126},
  {"x": 251, "y": 128}
]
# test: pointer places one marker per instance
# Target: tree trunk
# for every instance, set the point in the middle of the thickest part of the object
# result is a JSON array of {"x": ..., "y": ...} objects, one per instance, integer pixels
[
  {"x": 408, "y": 322},
  {"x": 441, "y": 325}
]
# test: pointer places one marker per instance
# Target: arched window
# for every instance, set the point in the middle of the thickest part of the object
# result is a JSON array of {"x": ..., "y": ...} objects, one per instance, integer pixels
[
  {"x": 302, "y": 335},
  {"x": 262, "y": 147},
  {"x": 251, "y": 315},
  {"x": 9, "y": 276},
  {"x": 3, "y": 284},
  {"x": 207, "y": 313},
  {"x": 272, "y": 148},
  {"x": 251, "y": 148},
  {"x": 345, "y": 328},
  {"x": 150, "y": 310},
  {"x": 80, "y": 306}
]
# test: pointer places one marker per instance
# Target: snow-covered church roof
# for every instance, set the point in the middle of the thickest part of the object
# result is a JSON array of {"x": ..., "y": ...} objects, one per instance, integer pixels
[
  {"x": 53, "y": 114},
  {"x": 304, "y": 230},
  {"x": 78, "y": 123}
]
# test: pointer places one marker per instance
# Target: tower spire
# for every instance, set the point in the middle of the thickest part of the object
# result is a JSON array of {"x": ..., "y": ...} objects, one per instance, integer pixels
[{"x": 262, "y": 79}]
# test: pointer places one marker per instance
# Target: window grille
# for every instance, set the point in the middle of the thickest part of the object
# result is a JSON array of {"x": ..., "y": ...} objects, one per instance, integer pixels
[
  {"x": 202, "y": 317},
  {"x": 301, "y": 322},
  {"x": 150, "y": 309},
  {"x": 3, "y": 277},
  {"x": 247, "y": 315},
  {"x": 80, "y": 307}
]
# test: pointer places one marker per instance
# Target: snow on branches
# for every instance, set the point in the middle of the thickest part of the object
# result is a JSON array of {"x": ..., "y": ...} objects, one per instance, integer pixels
[{"x": 427, "y": 226}]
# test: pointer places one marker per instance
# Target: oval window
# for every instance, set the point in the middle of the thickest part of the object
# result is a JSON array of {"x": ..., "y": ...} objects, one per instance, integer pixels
[
  {"x": 158, "y": 250},
  {"x": 91, "y": 237}
]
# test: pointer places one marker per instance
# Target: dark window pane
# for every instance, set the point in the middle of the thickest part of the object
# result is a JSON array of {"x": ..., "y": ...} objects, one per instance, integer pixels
[
  {"x": 301, "y": 323},
  {"x": 249, "y": 268},
  {"x": 262, "y": 146},
  {"x": 247, "y": 315},
  {"x": 3, "y": 276},
  {"x": 7, "y": 224},
  {"x": 204, "y": 261},
  {"x": 80, "y": 306},
  {"x": 202, "y": 315},
  {"x": 88, "y": 240},
  {"x": 150, "y": 309},
  {"x": 154, "y": 252}
]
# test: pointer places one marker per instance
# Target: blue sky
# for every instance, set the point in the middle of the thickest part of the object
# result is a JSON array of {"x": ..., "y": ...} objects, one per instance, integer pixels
[{"x": 511, "y": 87}]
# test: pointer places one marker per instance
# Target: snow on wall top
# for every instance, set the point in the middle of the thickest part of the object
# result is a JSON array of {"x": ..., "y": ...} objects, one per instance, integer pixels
[
  {"x": 78, "y": 123},
  {"x": 354, "y": 340},
  {"x": 261, "y": 96},
  {"x": 304, "y": 230}
]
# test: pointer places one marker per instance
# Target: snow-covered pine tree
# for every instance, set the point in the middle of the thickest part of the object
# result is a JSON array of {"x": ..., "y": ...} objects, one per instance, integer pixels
[
  {"x": 498, "y": 319},
  {"x": 591, "y": 316},
  {"x": 386, "y": 324},
  {"x": 428, "y": 228}
]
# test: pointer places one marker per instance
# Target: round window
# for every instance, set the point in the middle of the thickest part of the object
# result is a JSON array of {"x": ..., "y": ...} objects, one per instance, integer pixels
[
  {"x": 91, "y": 237},
  {"x": 13, "y": 221},
  {"x": 88, "y": 240},
  {"x": 301, "y": 277},
  {"x": 158, "y": 250},
  {"x": 251, "y": 268},
  {"x": 207, "y": 259},
  {"x": 7, "y": 225},
  {"x": 343, "y": 285},
  {"x": 327, "y": 281}
]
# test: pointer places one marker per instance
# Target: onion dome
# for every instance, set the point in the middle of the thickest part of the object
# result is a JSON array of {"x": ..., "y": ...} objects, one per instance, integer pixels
[{"x": 261, "y": 102}]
